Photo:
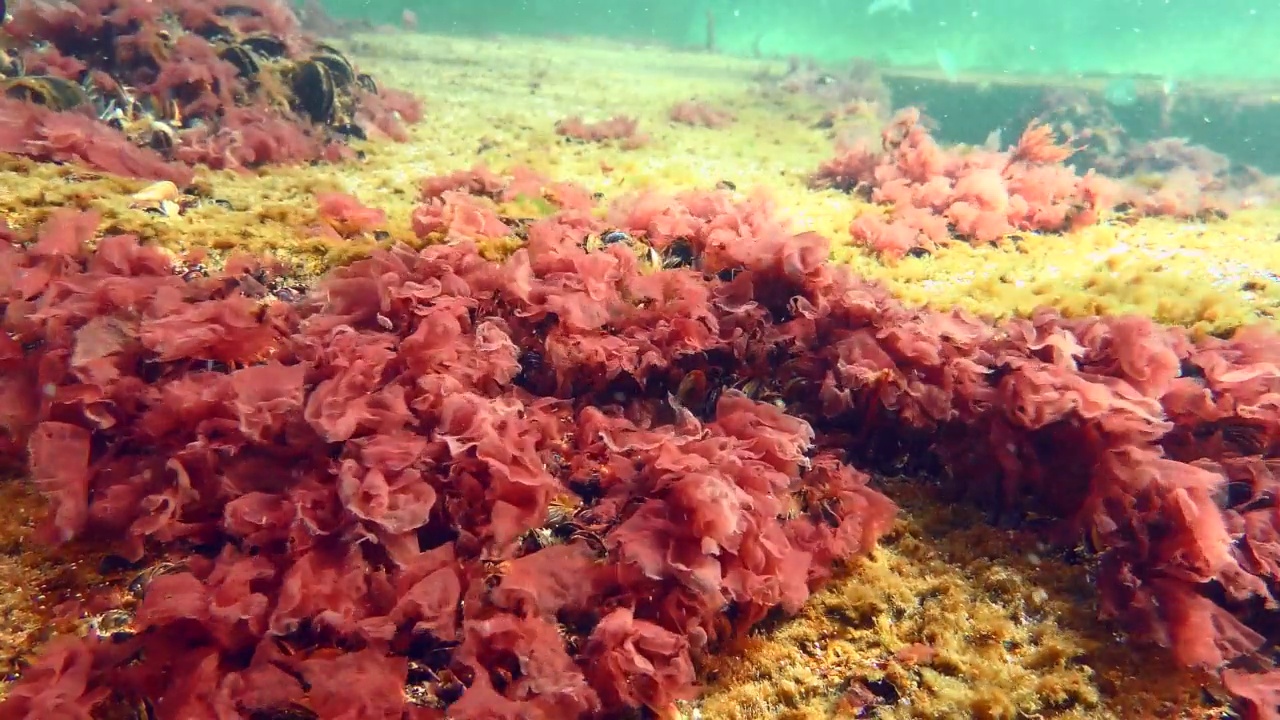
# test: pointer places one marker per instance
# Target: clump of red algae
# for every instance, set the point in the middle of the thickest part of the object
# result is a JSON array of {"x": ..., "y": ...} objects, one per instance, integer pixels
[
  {"x": 454, "y": 216},
  {"x": 347, "y": 217},
  {"x": 142, "y": 87},
  {"x": 934, "y": 195},
  {"x": 47, "y": 135},
  {"x": 981, "y": 196},
  {"x": 622, "y": 130},
  {"x": 699, "y": 114},
  {"x": 546, "y": 486}
]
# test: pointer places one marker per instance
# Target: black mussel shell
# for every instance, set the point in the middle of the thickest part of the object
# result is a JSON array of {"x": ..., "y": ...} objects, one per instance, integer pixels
[
  {"x": 339, "y": 67},
  {"x": 243, "y": 59},
  {"x": 53, "y": 92},
  {"x": 313, "y": 91},
  {"x": 365, "y": 81},
  {"x": 160, "y": 138},
  {"x": 215, "y": 30},
  {"x": 10, "y": 64},
  {"x": 239, "y": 11},
  {"x": 351, "y": 130},
  {"x": 679, "y": 254},
  {"x": 267, "y": 46}
]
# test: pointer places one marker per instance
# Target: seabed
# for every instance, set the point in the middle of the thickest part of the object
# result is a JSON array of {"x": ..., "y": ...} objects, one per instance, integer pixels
[{"x": 950, "y": 617}]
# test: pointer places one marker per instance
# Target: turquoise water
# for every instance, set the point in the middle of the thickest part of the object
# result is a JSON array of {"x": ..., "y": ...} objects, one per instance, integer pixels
[{"x": 1165, "y": 38}]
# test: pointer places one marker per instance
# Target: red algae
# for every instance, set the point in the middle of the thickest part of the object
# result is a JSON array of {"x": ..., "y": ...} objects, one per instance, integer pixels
[
  {"x": 981, "y": 196},
  {"x": 347, "y": 216},
  {"x": 37, "y": 132},
  {"x": 700, "y": 114},
  {"x": 1037, "y": 146},
  {"x": 933, "y": 195},
  {"x": 142, "y": 87},
  {"x": 621, "y": 129},
  {"x": 546, "y": 486}
]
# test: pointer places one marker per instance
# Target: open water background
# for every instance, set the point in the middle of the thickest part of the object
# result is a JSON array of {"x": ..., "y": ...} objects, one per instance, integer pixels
[{"x": 1175, "y": 39}]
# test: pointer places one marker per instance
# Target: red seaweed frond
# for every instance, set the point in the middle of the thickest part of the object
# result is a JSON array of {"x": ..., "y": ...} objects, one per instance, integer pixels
[
  {"x": 1038, "y": 146},
  {"x": 347, "y": 216}
]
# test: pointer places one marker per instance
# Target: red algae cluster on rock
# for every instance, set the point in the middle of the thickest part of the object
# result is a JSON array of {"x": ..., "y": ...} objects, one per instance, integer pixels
[
  {"x": 621, "y": 129},
  {"x": 147, "y": 88},
  {"x": 544, "y": 486},
  {"x": 696, "y": 113},
  {"x": 434, "y": 486},
  {"x": 935, "y": 195}
]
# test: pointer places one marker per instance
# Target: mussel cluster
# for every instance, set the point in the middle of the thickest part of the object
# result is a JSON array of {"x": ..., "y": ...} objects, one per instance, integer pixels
[
  {"x": 49, "y": 90},
  {"x": 142, "y": 118},
  {"x": 319, "y": 84}
]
